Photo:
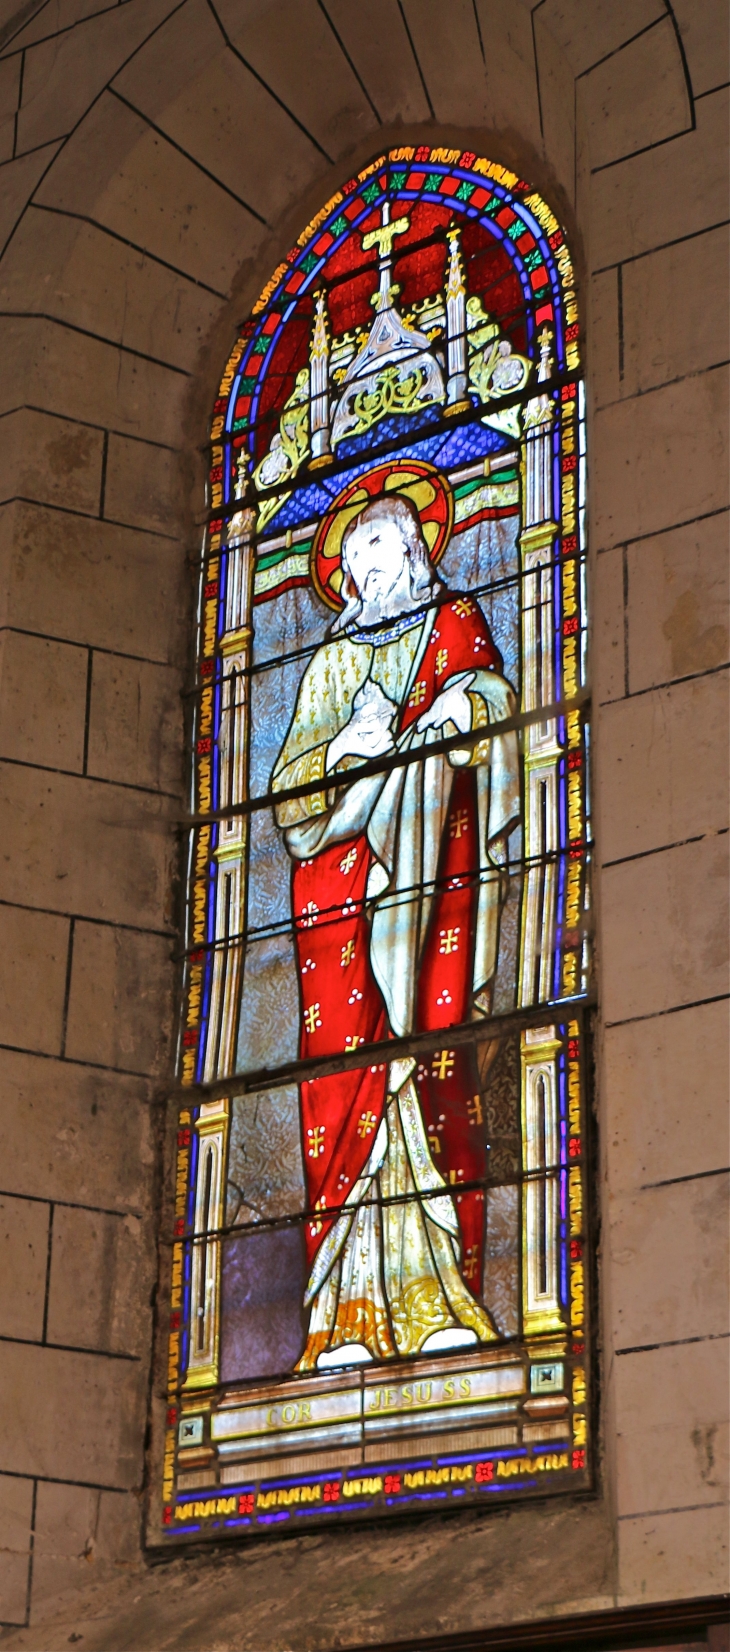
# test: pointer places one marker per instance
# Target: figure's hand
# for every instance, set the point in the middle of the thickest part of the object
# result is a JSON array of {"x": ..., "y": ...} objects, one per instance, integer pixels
[
  {"x": 452, "y": 705},
  {"x": 369, "y": 731}
]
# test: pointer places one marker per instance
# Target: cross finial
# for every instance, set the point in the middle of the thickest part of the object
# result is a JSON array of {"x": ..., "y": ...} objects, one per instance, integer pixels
[
  {"x": 383, "y": 238},
  {"x": 544, "y": 339}
]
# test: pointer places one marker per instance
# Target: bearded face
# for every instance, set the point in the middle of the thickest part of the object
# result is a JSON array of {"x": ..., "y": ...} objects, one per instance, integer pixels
[
  {"x": 377, "y": 559},
  {"x": 385, "y": 565}
]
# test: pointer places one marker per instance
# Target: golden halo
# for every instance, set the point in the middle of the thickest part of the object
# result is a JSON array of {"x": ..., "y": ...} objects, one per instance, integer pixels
[{"x": 418, "y": 481}]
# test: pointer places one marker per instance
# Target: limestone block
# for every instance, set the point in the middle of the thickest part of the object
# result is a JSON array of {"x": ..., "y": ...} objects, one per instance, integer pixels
[
  {"x": 91, "y": 582},
  {"x": 675, "y": 311},
  {"x": 667, "y": 1252},
  {"x": 297, "y": 54},
  {"x": 704, "y": 30},
  {"x": 23, "y": 1261},
  {"x": 18, "y": 179},
  {"x": 588, "y": 30},
  {"x": 376, "y": 41},
  {"x": 664, "y": 1097},
  {"x": 673, "y": 1556},
  {"x": 660, "y": 459},
  {"x": 9, "y": 88},
  {"x": 42, "y": 701},
  {"x": 557, "y": 105},
  {"x": 509, "y": 51},
  {"x": 144, "y": 487},
  {"x": 451, "y": 57},
  {"x": 50, "y": 460},
  {"x": 136, "y": 723},
  {"x": 608, "y": 641},
  {"x": 636, "y": 97},
  {"x": 672, "y": 1427},
  {"x": 80, "y": 1535},
  {"x": 664, "y": 194},
  {"x": 117, "y": 170},
  {"x": 678, "y": 603},
  {"x": 102, "y": 1272},
  {"x": 604, "y": 382},
  {"x": 105, "y": 853},
  {"x": 33, "y": 962},
  {"x": 16, "y": 1506},
  {"x": 188, "y": 81},
  {"x": 90, "y": 1424},
  {"x": 73, "y": 1132},
  {"x": 48, "y": 363},
  {"x": 64, "y": 74},
  {"x": 119, "y": 1009},
  {"x": 49, "y": 22},
  {"x": 79, "y": 273},
  {"x": 664, "y": 930},
  {"x": 662, "y": 760}
]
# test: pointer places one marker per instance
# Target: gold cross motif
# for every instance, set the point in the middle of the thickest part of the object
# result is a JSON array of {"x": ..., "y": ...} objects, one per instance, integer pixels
[
  {"x": 316, "y": 1141},
  {"x": 459, "y": 823},
  {"x": 366, "y": 1123},
  {"x": 417, "y": 694},
  {"x": 347, "y": 955},
  {"x": 348, "y": 860},
  {"x": 352, "y": 1042},
  {"x": 471, "y": 1263},
  {"x": 434, "y": 1144},
  {"x": 474, "y": 1109},
  {"x": 316, "y": 1227},
  {"x": 442, "y": 660},
  {"x": 442, "y": 1063},
  {"x": 384, "y": 237},
  {"x": 312, "y": 1018},
  {"x": 449, "y": 942},
  {"x": 462, "y": 608}
]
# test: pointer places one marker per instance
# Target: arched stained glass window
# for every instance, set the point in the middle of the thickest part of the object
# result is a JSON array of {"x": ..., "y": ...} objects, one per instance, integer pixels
[{"x": 378, "y": 1265}]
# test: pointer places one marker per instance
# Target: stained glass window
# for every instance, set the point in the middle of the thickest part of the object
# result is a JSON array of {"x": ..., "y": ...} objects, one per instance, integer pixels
[{"x": 379, "y": 1260}]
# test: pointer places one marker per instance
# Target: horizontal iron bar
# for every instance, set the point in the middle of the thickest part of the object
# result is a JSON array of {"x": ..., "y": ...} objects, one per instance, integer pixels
[
  {"x": 379, "y": 451},
  {"x": 394, "y": 760},
  {"x": 446, "y": 595},
  {"x": 298, "y": 1071},
  {"x": 297, "y": 1218}
]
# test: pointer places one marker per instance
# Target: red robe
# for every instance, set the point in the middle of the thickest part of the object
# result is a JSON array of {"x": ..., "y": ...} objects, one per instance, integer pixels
[{"x": 341, "y": 1113}]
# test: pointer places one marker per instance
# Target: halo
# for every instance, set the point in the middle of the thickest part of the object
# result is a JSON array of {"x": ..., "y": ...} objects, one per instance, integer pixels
[{"x": 416, "y": 480}]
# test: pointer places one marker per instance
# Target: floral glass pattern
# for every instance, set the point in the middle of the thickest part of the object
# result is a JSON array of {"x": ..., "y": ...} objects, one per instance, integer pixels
[{"x": 379, "y": 1270}]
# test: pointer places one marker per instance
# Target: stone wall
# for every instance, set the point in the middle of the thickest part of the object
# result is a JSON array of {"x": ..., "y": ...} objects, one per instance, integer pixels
[{"x": 156, "y": 159}]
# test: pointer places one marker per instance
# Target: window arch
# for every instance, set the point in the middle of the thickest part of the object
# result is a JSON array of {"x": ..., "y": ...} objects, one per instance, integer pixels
[{"x": 378, "y": 1275}]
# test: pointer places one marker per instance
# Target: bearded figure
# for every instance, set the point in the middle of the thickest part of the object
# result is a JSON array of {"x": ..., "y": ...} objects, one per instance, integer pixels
[{"x": 398, "y": 878}]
